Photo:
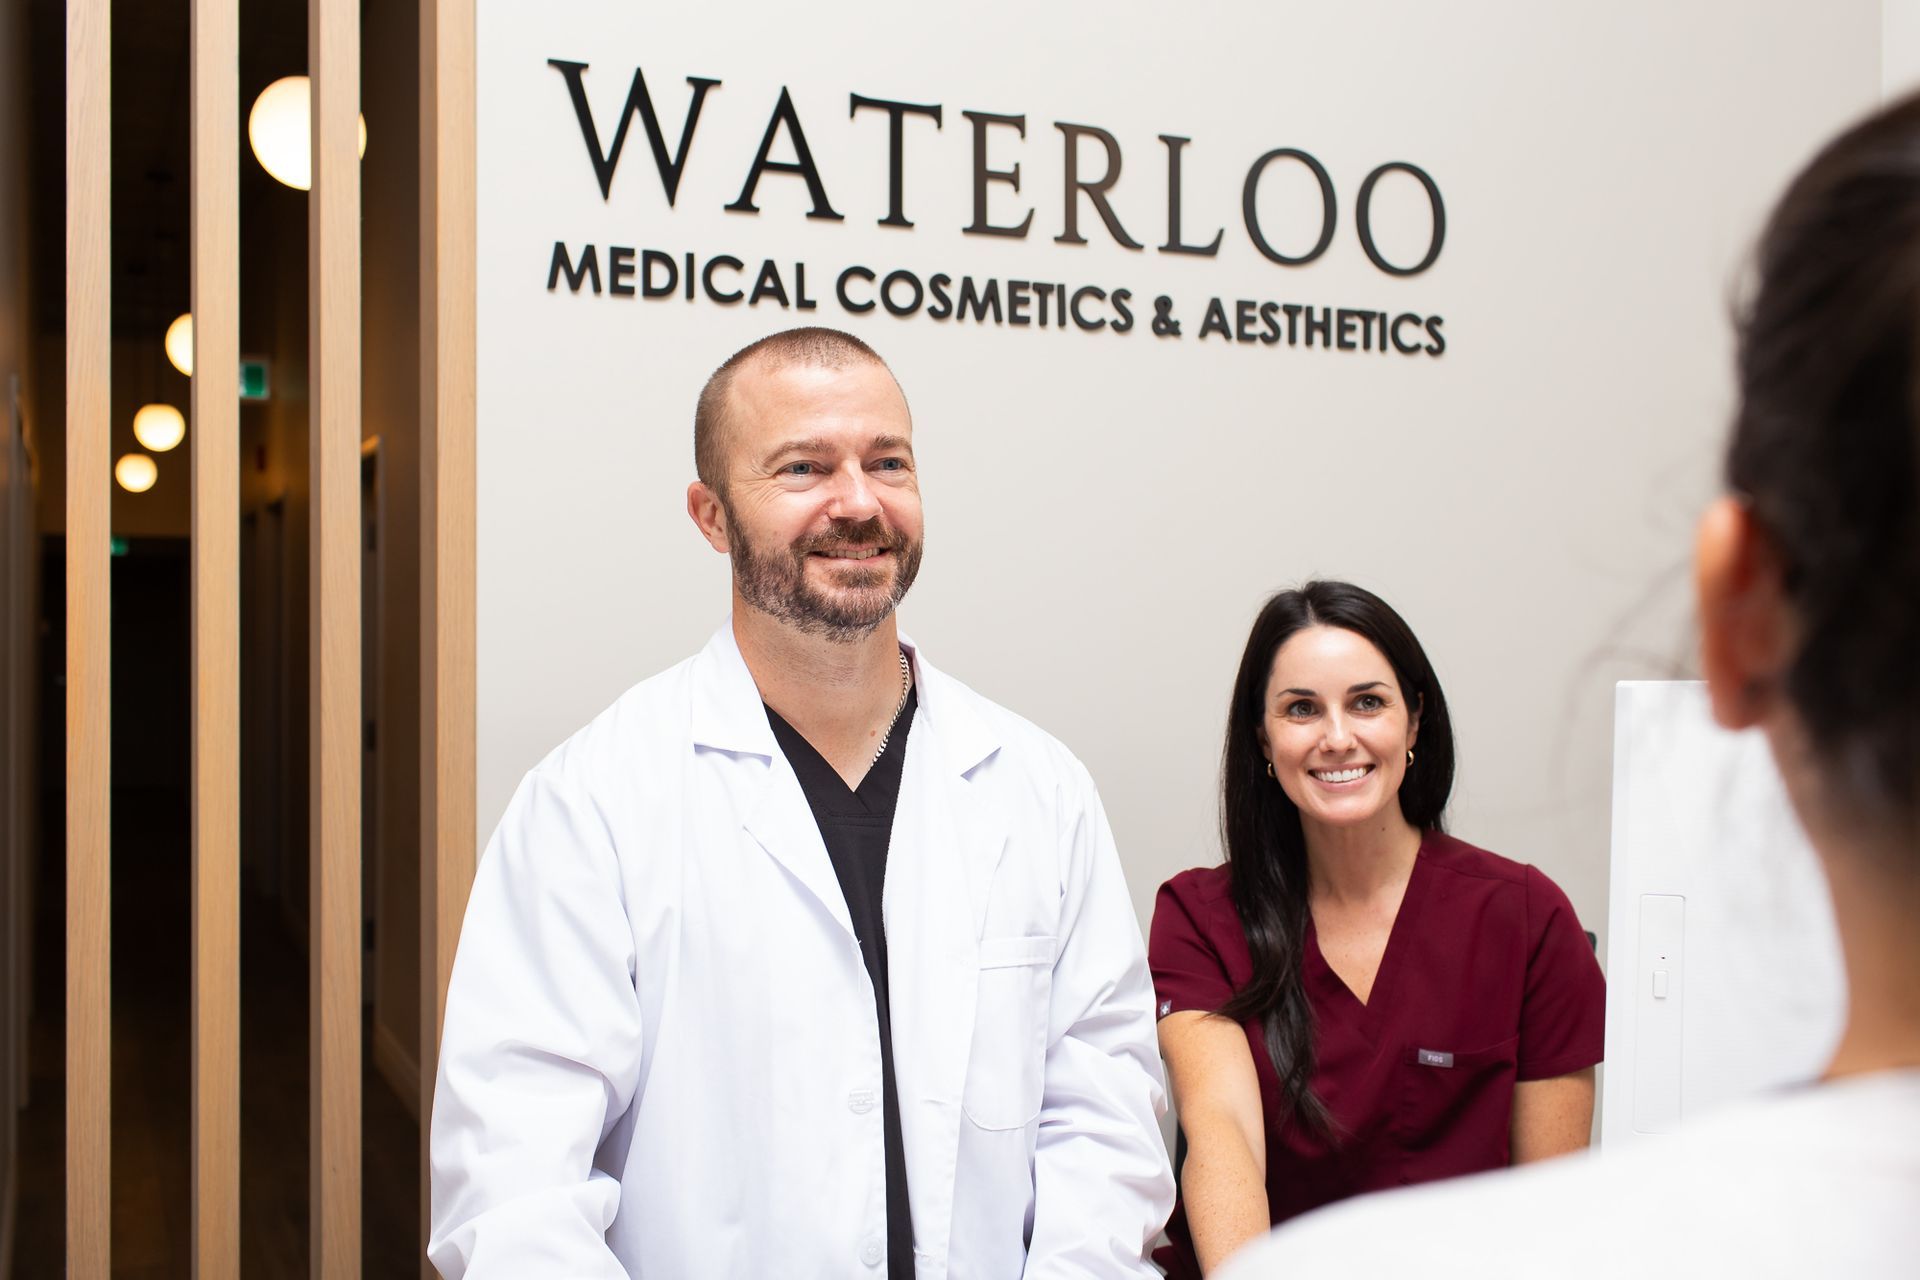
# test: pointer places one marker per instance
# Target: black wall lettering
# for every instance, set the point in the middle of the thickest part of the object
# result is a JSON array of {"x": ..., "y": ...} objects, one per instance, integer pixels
[
  {"x": 1174, "y": 244},
  {"x": 942, "y": 300},
  {"x": 840, "y": 288},
  {"x": 1404, "y": 348},
  {"x": 768, "y": 285},
  {"x": 1362, "y": 213},
  {"x": 620, "y": 271},
  {"x": 1095, "y": 190},
  {"x": 978, "y": 301},
  {"x": 897, "y": 113},
  {"x": 649, "y": 259},
  {"x": 1082, "y": 294},
  {"x": 1270, "y": 316},
  {"x": 1243, "y": 318},
  {"x": 983, "y": 175},
  {"x": 1249, "y": 207},
  {"x": 726, "y": 297},
  {"x": 589, "y": 265},
  {"x": 1323, "y": 326},
  {"x": 783, "y": 113},
  {"x": 901, "y": 308},
  {"x": 1216, "y": 321},
  {"x": 637, "y": 100}
]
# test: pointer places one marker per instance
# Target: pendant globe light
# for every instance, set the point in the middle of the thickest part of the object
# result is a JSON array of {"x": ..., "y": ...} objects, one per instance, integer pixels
[
  {"x": 159, "y": 427},
  {"x": 136, "y": 472},
  {"x": 280, "y": 127},
  {"x": 179, "y": 343}
]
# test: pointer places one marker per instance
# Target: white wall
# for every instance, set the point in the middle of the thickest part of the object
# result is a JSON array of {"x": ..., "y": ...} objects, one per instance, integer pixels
[
  {"x": 1106, "y": 512},
  {"x": 1899, "y": 47}
]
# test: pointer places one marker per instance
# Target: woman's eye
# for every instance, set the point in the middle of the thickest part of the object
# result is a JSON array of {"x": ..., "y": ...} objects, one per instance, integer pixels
[
  {"x": 1368, "y": 702},
  {"x": 1299, "y": 710}
]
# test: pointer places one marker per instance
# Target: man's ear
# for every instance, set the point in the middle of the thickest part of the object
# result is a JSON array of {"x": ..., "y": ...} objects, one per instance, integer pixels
[
  {"x": 709, "y": 515},
  {"x": 1746, "y": 624}
]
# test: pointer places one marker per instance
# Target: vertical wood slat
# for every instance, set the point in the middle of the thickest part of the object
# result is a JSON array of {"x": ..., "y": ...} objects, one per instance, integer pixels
[
  {"x": 333, "y": 221},
  {"x": 447, "y": 359},
  {"x": 216, "y": 638},
  {"x": 89, "y": 585}
]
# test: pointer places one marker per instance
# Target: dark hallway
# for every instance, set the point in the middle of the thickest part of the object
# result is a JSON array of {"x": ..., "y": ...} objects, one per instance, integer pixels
[{"x": 152, "y": 867}]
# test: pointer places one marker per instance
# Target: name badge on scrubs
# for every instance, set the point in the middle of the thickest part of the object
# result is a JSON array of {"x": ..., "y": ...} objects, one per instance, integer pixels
[{"x": 1434, "y": 1058}]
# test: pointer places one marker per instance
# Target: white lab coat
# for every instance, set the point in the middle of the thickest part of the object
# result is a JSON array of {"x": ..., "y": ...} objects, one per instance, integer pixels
[{"x": 660, "y": 1056}]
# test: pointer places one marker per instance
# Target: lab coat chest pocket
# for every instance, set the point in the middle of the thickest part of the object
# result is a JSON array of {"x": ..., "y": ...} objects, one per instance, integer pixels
[{"x": 1006, "y": 1068}]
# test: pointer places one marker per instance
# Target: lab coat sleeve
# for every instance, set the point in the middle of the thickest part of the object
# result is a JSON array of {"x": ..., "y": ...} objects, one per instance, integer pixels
[
  {"x": 541, "y": 1050},
  {"x": 1102, "y": 1184}
]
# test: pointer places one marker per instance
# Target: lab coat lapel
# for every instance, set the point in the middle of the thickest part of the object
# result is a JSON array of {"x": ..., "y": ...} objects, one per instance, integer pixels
[
  {"x": 729, "y": 716},
  {"x": 783, "y": 822},
  {"x": 945, "y": 849}
]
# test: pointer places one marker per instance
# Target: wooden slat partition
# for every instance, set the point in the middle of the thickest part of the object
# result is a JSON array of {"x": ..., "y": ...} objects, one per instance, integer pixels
[
  {"x": 333, "y": 228},
  {"x": 89, "y": 490},
  {"x": 216, "y": 638},
  {"x": 447, "y": 355}
]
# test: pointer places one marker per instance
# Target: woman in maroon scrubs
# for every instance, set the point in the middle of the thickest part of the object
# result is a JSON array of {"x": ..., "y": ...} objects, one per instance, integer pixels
[{"x": 1355, "y": 1000}]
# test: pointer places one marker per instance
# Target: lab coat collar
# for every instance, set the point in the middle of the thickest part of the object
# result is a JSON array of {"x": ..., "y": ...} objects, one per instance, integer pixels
[{"x": 729, "y": 715}]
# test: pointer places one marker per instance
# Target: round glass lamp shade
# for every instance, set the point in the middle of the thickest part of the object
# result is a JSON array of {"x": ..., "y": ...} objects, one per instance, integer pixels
[
  {"x": 136, "y": 472},
  {"x": 180, "y": 343},
  {"x": 280, "y": 127},
  {"x": 159, "y": 427}
]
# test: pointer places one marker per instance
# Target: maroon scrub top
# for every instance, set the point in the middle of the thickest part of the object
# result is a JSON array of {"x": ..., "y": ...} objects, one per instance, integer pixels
[{"x": 1487, "y": 979}]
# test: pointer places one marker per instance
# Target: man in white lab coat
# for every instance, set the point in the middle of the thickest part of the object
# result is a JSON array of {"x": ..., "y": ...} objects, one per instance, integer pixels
[{"x": 802, "y": 959}]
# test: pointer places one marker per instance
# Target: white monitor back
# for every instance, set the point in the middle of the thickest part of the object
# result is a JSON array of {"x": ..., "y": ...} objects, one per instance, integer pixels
[{"x": 1724, "y": 976}]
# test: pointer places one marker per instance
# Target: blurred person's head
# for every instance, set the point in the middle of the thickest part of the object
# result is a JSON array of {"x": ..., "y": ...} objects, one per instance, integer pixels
[{"x": 1808, "y": 571}]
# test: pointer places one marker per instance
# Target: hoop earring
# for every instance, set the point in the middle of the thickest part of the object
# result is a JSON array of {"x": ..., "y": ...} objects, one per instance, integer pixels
[
  {"x": 1409, "y": 757},
  {"x": 1269, "y": 768}
]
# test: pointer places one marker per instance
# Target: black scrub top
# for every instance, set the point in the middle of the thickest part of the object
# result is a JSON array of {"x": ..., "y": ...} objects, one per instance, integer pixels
[{"x": 857, "y": 827}]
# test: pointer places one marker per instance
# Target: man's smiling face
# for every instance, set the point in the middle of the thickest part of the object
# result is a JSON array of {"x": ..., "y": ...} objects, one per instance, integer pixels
[{"x": 822, "y": 501}]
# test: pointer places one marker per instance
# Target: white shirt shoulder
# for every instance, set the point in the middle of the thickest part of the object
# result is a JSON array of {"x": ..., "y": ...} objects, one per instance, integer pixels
[{"x": 1823, "y": 1180}]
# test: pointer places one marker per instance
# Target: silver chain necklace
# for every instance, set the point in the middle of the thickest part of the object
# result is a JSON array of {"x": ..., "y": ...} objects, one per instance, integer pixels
[{"x": 906, "y": 687}]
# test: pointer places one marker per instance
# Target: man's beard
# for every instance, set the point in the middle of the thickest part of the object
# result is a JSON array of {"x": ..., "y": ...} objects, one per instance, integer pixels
[{"x": 775, "y": 582}]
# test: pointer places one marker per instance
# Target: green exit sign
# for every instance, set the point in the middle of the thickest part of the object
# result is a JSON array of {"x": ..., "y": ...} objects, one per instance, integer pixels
[{"x": 253, "y": 378}]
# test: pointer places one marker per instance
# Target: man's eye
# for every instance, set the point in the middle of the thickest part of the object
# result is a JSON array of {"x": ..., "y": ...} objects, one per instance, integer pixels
[
  {"x": 891, "y": 464},
  {"x": 799, "y": 468}
]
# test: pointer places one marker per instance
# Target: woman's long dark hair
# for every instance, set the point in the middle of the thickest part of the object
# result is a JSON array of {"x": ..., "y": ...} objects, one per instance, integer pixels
[{"x": 1260, "y": 827}]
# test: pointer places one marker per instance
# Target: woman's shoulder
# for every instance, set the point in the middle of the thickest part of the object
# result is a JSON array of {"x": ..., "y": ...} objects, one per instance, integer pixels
[
  {"x": 1454, "y": 855},
  {"x": 1480, "y": 873},
  {"x": 1198, "y": 885},
  {"x": 1194, "y": 914}
]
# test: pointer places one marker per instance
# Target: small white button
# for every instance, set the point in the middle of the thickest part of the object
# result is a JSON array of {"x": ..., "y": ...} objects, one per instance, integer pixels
[
  {"x": 870, "y": 1252},
  {"x": 860, "y": 1101},
  {"x": 1659, "y": 984}
]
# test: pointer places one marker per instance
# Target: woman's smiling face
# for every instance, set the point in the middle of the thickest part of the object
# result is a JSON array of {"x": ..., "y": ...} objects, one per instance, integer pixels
[{"x": 1336, "y": 727}]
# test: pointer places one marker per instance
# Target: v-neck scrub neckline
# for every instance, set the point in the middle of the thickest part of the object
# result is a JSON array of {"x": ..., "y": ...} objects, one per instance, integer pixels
[
  {"x": 1487, "y": 980},
  {"x": 1333, "y": 989}
]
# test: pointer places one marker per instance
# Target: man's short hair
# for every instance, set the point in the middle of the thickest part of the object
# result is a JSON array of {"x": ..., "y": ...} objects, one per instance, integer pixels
[{"x": 816, "y": 346}]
